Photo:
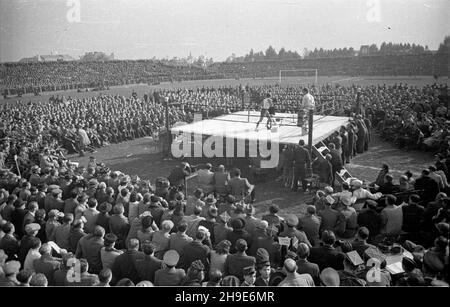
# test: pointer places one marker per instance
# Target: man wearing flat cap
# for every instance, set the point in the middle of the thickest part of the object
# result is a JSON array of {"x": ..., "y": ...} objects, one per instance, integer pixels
[
  {"x": 249, "y": 276},
  {"x": 11, "y": 269},
  {"x": 264, "y": 240},
  {"x": 291, "y": 231}
]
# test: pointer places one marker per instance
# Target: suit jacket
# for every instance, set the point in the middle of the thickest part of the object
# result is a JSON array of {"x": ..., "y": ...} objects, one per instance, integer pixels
[
  {"x": 147, "y": 267},
  {"x": 124, "y": 266},
  {"x": 327, "y": 256},
  {"x": 69, "y": 205},
  {"x": 336, "y": 159},
  {"x": 195, "y": 251},
  {"x": 47, "y": 265},
  {"x": 89, "y": 247},
  {"x": 306, "y": 267}
]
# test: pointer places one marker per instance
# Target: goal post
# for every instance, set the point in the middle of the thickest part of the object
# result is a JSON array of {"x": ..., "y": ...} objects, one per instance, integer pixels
[{"x": 298, "y": 73}]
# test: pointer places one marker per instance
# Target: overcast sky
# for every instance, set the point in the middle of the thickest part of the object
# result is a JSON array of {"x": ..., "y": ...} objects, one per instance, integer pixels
[{"x": 139, "y": 29}]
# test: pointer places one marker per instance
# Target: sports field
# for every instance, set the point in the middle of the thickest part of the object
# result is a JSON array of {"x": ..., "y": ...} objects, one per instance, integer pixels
[{"x": 140, "y": 89}]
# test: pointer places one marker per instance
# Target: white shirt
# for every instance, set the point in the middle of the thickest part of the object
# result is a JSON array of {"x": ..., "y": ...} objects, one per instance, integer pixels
[
  {"x": 29, "y": 259},
  {"x": 308, "y": 102},
  {"x": 266, "y": 103}
]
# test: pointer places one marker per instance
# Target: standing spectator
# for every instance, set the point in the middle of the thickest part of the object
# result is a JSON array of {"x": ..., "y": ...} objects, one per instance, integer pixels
[
  {"x": 196, "y": 250},
  {"x": 413, "y": 215},
  {"x": 46, "y": 264},
  {"x": 179, "y": 239},
  {"x": 89, "y": 248},
  {"x": 149, "y": 264},
  {"x": 9, "y": 244},
  {"x": 294, "y": 279},
  {"x": 302, "y": 162},
  {"x": 125, "y": 264},
  {"x": 306, "y": 267},
  {"x": 168, "y": 275},
  {"x": 206, "y": 179},
  {"x": 109, "y": 253},
  {"x": 91, "y": 215},
  {"x": 235, "y": 263}
]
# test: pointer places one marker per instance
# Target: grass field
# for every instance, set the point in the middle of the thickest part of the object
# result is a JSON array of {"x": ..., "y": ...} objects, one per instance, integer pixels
[{"x": 141, "y": 157}]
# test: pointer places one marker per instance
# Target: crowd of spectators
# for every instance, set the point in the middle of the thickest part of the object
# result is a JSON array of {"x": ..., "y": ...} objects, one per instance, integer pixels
[
  {"x": 81, "y": 226},
  {"x": 116, "y": 229},
  {"x": 16, "y": 78},
  {"x": 20, "y": 78}
]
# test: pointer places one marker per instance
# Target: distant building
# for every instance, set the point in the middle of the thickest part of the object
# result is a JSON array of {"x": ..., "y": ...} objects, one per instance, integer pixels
[
  {"x": 47, "y": 58},
  {"x": 97, "y": 56}
]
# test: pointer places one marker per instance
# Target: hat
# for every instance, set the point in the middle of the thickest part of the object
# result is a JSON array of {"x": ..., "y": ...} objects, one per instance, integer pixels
[
  {"x": 250, "y": 270},
  {"x": 408, "y": 263},
  {"x": 11, "y": 267},
  {"x": 356, "y": 183},
  {"x": 104, "y": 207},
  {"x": 292, "y": 220},
  {"x": 330, "y": 277},
  {"x": 260, "y": 224},
  {"x": 237, "y": 223},
  {"x": 171, "y": 257},
  {"x": 328, "y": 189},
  {"x": 262, "y": 257},
  {"x": 212, "y": 212},
  {"x": 55, "y": 213},
  {"x": 32, "y": 227},
  {"x": 52, "y": 187}
]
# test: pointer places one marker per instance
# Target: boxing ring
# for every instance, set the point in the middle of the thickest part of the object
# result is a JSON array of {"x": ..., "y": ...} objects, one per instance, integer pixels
[{"x": 241, "y": 126}]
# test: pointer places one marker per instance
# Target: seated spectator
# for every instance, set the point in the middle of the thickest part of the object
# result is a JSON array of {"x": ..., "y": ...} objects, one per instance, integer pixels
[
  {"x": 391, "y": 217},
  {"x": 206, "y": 179},
  {"x": 326, "y": 255}
]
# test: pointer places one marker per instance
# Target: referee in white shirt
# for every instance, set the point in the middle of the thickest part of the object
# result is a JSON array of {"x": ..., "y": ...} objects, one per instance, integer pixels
[{"x": 308, "y": 103}]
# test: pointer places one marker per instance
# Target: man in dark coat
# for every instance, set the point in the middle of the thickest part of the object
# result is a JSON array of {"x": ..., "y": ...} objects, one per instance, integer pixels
[
  {"x": 336, "y": 161},
  {"x": 89, "y": 248},
  {"x": 429, "y": 185},
  {"x": 345, "y": 145},
  {"x": 370, "y": 219},
  {"x": 125, "y": 264},
  {"x": 196, "y": 250},
  {"x": 351, "y": 141},
  {"x": 235, "y": 263},
  {"x": 9, "y": 244},
  {"x": 302, "y": 162},
  {"x": 362, "y": 134},
  {"x": 149, "y": 264},
  {"x": 17, "y": 217},
  {"x": 326, "y": 255}
]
